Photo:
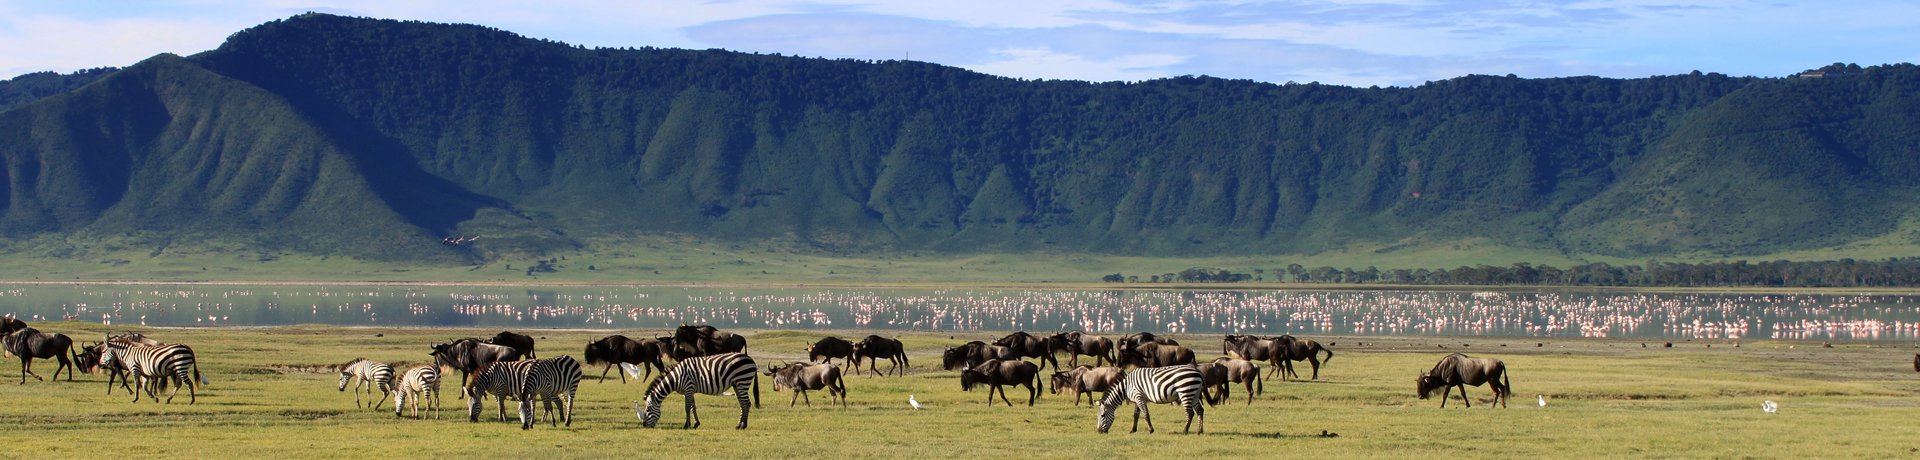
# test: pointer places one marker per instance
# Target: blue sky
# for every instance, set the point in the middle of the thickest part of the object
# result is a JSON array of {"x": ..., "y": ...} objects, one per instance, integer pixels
[{"x": 1347, "y": 42}]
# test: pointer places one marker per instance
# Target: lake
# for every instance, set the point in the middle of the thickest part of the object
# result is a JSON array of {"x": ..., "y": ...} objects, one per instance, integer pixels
[{"x": 1542, "y": 313}]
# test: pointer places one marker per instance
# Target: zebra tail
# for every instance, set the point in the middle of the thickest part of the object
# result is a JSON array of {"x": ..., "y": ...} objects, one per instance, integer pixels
[
  {"x": 756, "y": 390},
  {"x": 197, "y": 376}
]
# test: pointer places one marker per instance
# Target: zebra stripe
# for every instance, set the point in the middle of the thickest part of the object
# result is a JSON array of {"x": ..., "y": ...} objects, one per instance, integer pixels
[
  {"x": 548, "y": 379},
  {"x": 705, "y": 375},
  {"x": 155, "y": 367},
  {"x": 420, "y": 386},
  {"x": 1155, "y": 385},
  {"x": 371, "y": 375},
  {"x": 502, "y": 380}
]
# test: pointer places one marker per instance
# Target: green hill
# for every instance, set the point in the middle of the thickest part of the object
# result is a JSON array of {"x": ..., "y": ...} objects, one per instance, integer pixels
[{"x": 373, "y": 139}]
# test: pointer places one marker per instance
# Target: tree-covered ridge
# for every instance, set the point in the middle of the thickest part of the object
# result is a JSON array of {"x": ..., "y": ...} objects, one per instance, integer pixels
[
  {"x": 38, "y": 85},
  {"x": 469, "y": 130}
]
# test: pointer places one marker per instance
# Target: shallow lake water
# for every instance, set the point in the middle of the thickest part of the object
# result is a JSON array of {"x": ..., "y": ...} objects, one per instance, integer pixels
[{"x": 1548, "y": 312}]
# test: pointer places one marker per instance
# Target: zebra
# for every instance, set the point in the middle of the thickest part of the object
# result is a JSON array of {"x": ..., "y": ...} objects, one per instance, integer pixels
[
  {"x": 155, "y": 366},
  {"x": 419, "y": 385},
  {"x": 500, "y": 379},
  {"x": 371, "y": 374},
  {"x": 548, "y": 379},
  {"x": 712, "y": 375},
  {"x": 1158, "y": 385}
]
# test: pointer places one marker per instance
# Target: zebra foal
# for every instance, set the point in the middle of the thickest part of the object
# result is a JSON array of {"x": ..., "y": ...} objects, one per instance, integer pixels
[
  {"x": 419, "y": 386},
  {"x": 369, "y": 374},
  {"x": 711, "y": 375},
  {"x": 1155, "y": 385},
  {"x": 549, "y": 379}
]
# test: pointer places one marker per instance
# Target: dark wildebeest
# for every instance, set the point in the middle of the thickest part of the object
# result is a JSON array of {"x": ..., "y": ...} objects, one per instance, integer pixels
[
  {"x": 1085, "y": 380},
  {"x": 1154, "y": 354},
  {"x": 1916, "y": 362},
  {"x": 1255, "y": 349},
  {"x": 876, "y": 348},
  {"x": 972, "y": 354},
  {"x": 828, "y": 348},
  {"x": 517, "y": 341},
  {"x": 1303, "y": 350},
  {"x": 1078, "y": 343},
  {"x": 469, "y": 355},
  {"x": 30, "y": 344},
  {"x": 804, "y": 377},
  {"x": 8, "y": 324},
  {"x": 1026, "y": 345},
  {"x": 1137, "y": 338},
  {"x": 618, "y": 349},
  {"x": 998, "y": 373},
  {"x": 704, "y": 340},
  {"x": 88, "y": 361},
  {"x": 1457, "y": 370},
  {"x": 1223, "y": 371}
]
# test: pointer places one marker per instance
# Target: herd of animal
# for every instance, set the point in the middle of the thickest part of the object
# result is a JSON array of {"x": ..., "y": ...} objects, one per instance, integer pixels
[{"x": 1141, "y": 368}]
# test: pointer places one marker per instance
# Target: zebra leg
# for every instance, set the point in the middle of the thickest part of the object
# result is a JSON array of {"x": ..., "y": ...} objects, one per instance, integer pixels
[
  {"x": 500, "y": 400},
  {"x": 693, "y": 415},
  {"x": 740, "y": 391},
  {"x": 1196, "y": 409},
  {"x": 569, "y": 407},
  {"x": 1144, "y": 412}
]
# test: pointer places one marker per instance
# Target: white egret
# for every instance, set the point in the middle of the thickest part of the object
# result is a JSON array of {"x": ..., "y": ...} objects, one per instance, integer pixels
[
  {"x": 1769, "y": 406},
  {"x": 911, "y": 401},
  {"x": 1543, "y": 400}
]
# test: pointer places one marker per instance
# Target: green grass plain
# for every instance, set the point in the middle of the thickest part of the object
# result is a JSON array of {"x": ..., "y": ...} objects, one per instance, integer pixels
[{"x": 272, "y": 394}]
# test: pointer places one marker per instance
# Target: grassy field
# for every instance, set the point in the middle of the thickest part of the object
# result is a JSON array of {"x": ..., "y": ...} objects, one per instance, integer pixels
[{"x": 273, "y": 393}]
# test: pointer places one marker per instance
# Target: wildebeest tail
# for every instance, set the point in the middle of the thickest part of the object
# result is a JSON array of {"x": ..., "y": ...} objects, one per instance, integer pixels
[
  {"x": 1329, "y": 355},
  {"x": 1259, "y": 384}
]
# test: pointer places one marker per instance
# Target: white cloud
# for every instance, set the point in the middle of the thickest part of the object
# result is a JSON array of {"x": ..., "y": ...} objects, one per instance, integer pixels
[{"x": 1043, "y": 63}]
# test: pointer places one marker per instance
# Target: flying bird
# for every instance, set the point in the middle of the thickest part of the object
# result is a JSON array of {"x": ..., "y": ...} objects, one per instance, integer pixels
[
  {"x": 1770, "y": 407},
  {"x": 911, "y": 401}
]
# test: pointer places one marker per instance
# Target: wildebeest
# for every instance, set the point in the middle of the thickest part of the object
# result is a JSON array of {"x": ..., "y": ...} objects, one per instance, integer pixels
[
  {"x": 1457, "y": 370},
  {"x": 8, "y": 324},
  {"x": 88, "y": 361},
  {"x": 876, "y": 348},
  {"x": 804, "y": 377},
  {"x": 1256, "y": 349},
  {"x": 30, "y": 344},
  {"x": 469, "y": 355},
  {"x": 999, "y": 373},
  {"x": 1303, "y": 350},
  {"x": 519, "y": 342},
  {"x": 1154, "y": 354},
  {"x": 1137, "y": 338},
  {"x": 1916, "y": 362},
  {"x": 828, "y": 348},
  {"x": 1024, "y": 345},
  {"x": 1223, "y": 371},
  {"x": 618, "y": 349},
  {"x": 972, "y": 354},
  {"x": 704, "y": 340},
  {"x": 1085, "y": 380},
  {"x": 1077, "y": 343}
]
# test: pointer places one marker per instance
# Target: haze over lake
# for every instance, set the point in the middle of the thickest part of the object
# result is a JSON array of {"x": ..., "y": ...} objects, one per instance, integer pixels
[{"x": 1545, "y": 313}]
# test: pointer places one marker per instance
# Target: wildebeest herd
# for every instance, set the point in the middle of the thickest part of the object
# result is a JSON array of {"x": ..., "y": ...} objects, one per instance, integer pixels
[{"x": 1141, "y": 367}]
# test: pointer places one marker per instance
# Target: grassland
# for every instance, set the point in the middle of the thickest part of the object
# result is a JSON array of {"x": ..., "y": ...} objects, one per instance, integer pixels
[{"x": 273, "y": 394}]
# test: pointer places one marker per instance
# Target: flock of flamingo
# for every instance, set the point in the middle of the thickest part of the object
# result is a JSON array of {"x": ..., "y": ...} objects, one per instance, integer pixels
[{"x": 1559, "y": 313}]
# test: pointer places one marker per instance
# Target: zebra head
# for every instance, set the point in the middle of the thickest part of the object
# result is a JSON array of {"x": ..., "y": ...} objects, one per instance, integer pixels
[
  {"x": 656, "y": 393},
  {"x": 1105, "y": 409}
]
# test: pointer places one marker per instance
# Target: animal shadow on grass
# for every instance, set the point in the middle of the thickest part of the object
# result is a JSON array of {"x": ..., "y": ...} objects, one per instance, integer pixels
[{"x": 1279, "y": 435}]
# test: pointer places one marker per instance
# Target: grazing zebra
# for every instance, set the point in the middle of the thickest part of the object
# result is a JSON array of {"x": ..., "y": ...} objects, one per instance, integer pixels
[
  {"x": 548, "y": 379},
  {"x": 502, "y": 380},
  {"x": 706, "y": 375},
  {"x": 419, "y": 385},
  {"x": 368, "y": 373},
  {"x": 1156, "y": 385},
  {"x": 155, "y": 367}
]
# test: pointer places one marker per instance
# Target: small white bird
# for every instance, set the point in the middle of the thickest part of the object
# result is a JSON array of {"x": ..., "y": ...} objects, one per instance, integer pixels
[
  {"x": 1543, "y": 400},
  {"x": 1770, "y": 407},
  {"x": 914, "y": 403},
  {"x": 639, "y": 412}
]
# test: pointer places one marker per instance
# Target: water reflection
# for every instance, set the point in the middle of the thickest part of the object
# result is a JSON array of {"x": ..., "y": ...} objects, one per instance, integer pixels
[{"x": 1523, "y": 313}]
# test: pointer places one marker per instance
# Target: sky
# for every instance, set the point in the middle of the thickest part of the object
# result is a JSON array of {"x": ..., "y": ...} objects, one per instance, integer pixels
[{"x": 1344, "y": 42}]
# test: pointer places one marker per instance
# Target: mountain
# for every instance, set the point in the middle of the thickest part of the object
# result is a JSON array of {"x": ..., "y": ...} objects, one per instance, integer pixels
[{"x": 375, "y": 138}]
